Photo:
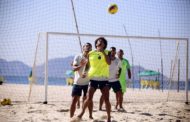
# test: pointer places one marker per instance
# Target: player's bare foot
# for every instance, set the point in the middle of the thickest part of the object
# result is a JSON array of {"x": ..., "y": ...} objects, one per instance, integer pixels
[
  {"x": 75, "y": 119},
  {"x": 121, "y": 109},
  {"x": 91, "y": 117},
  {"x": 109, "y": 120}
]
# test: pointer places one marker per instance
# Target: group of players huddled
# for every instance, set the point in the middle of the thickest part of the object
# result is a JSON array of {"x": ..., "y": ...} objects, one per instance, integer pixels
[{"x": 99, "y": 69}]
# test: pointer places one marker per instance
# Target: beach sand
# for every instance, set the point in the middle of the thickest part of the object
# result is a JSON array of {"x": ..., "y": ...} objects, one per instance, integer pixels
[{"x": 140, "y": 105}]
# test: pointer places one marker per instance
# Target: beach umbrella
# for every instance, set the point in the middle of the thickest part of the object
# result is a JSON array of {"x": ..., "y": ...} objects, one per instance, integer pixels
[
  {"x": 69, "y": 73},
  {"x": 148, "y": 73}
]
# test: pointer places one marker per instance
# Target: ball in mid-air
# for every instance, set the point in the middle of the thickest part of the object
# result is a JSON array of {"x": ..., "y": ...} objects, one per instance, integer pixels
[{"x": 113, "y": 8}]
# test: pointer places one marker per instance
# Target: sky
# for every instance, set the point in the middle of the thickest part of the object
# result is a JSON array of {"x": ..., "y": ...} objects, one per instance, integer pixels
[{"x": 22, "y": 20}]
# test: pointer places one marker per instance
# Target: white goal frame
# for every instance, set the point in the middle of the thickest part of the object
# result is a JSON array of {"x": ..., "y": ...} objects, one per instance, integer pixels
[{"x": 110, "y": 36}]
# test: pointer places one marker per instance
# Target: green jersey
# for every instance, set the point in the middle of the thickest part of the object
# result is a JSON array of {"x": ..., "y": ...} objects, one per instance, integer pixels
[{"x": 124, "y": 67}]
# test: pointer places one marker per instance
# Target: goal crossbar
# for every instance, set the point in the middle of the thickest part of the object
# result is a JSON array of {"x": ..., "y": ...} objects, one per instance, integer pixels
[{"x": 116, "y": 36}]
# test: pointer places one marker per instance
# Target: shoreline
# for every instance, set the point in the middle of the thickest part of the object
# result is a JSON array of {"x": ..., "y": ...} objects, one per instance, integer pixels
[{"x": 18, "y": 92}]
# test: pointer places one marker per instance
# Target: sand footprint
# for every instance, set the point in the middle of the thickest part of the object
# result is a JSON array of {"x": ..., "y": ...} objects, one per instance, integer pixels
[
  {"x": 63, "y": 110},
  {"x": 146, "y": 114}
]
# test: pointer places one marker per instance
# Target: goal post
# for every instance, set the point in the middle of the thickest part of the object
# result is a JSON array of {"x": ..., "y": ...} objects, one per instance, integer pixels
[
  {"x": 145, "y": 52},
  {"x": 187, "y": 71}
]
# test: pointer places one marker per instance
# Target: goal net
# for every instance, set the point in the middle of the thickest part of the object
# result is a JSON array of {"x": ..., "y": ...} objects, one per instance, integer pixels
[
  {"x": 158, "y": 66},
  {"x": 36, "y": 67}
]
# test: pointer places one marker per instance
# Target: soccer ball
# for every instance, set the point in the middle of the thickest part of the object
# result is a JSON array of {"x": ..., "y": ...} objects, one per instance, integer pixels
[{"x": 112, "y": 9}]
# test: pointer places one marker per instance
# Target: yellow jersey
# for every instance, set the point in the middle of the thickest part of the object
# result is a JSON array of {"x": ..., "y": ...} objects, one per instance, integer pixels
[{"x": 98, "y": 65}]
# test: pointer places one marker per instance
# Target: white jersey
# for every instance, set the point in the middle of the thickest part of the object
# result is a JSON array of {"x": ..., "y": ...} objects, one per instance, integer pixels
[
  {"x": 78, "y": 80},
  {"x": 114, "y": 69}
]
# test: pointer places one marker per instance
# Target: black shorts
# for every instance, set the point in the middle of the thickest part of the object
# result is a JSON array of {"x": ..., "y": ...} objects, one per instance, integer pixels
[
  {"x": 115, "y": 86},
  {"x": 77, "y": 90},
  {"x": 98, "y": 84}
]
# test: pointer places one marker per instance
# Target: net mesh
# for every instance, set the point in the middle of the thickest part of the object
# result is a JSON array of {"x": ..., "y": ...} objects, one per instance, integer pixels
[{"x": 21, "y": 21}]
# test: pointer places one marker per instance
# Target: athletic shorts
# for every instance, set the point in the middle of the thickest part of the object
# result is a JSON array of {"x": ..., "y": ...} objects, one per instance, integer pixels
[
  {"x": 77, "y": 90},
  {"x": 98, "y": 84},
  {"x": 115, "y": 86}
]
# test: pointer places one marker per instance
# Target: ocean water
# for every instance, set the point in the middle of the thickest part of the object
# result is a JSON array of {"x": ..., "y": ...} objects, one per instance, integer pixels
[
  {"x": 62, "y": 82},
  {"x": 24, "y": 80}
]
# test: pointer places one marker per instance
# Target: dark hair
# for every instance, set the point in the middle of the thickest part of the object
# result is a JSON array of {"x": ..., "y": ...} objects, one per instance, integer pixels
[
  {"x": 120, "y": 50},
  {"x": 87, "y": 44},
  {"x": 113, "y": 48},
  {"x": 103, "y": 39}
]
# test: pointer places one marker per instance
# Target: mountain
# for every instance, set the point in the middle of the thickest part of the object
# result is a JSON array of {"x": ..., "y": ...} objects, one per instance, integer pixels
[
  {"x": 56, "y": 67},
  {"x": 13, "y": 68}
]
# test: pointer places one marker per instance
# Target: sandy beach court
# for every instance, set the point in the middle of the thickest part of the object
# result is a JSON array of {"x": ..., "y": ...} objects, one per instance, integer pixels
[{"x": 140, "y": 106}]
